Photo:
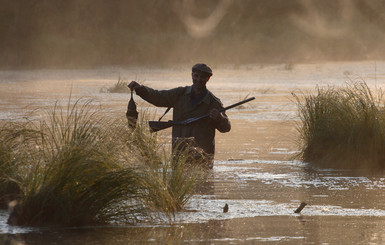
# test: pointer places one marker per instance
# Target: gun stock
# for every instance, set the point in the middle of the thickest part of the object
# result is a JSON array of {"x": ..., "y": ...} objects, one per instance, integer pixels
[{"x": 158, "y": 125}]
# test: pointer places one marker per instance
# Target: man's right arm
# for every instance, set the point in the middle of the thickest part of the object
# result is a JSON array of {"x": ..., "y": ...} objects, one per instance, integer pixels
[{"x": 160, "y": 98}]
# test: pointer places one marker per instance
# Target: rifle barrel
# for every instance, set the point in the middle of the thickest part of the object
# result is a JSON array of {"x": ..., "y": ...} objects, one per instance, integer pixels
[
  {"x": 191, "y": 120},
  {"x": 157, "y": 125},
  {"x": 237, "y": 104}
]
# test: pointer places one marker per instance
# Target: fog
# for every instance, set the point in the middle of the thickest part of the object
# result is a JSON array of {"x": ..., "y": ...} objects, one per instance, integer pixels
[{"x": 94, "y": 33}]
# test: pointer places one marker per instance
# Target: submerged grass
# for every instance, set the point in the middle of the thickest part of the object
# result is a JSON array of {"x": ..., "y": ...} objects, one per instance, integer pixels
[
  {"x": 343, "y": 127},
  {"x": 78, "y": 168}
]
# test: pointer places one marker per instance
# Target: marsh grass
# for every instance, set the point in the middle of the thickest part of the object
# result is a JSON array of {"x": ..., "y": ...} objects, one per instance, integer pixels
[
  {"x": 343, "y": 127},
  {"x": 170, "y": 185},
  {"x": 119, "y": 87},
  {"x": 167, "y": 180},
  {"x": 72, "y": 175},
  {"x": 7, "y": 168},
  {"x": 13, "y": 137},
  {"x": 240, "y": 107},
  {"x": 289, "y": 66},
  {"x": 81, "y": 169},
  {"x": 265, "y": 90}
]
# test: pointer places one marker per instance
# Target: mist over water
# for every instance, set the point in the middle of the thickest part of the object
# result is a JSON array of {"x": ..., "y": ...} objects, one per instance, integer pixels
[
  {"x": 255, "y": 49},
  {"x": 89, "y": 33}
]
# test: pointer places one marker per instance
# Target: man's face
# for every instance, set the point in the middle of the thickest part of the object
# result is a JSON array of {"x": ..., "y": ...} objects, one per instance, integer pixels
[{"x": 199, "y": 81}]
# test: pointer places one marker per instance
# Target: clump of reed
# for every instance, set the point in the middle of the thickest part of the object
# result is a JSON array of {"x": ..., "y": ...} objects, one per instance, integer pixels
[
  {"x": 168, "y": 180},
  {"x": 343, "y": 127},
  {"x": 13, "y": 137},
  {"x": 80, "y": 169},
  {"x": 71, "y": 175},
  {"x": 289, "y": 66},
  {"x": 119, "y": 87},
  {"x": 170, "y": 185}
]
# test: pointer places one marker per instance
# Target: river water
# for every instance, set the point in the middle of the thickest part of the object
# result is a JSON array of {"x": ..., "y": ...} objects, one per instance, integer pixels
[{"x": 255, "y": 171}]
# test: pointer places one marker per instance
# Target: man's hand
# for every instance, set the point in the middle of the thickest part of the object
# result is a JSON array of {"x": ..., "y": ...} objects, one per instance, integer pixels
[
  {"x": 216, "y": 115},
  {"x": 134, "y": 85}
]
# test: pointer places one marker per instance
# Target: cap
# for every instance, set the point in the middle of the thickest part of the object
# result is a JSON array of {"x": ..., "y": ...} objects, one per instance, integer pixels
[{"x": 202, "y": 68}]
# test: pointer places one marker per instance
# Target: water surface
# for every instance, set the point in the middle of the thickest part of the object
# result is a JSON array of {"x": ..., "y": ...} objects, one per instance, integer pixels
[{"x": 255, "y": 171}]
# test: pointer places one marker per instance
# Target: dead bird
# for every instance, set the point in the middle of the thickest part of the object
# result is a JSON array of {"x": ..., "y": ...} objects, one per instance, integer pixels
[
  {"x": 301, "y": 206},
  {"x": 226, "y": 208},
  {"x": 132, "y": 113}
]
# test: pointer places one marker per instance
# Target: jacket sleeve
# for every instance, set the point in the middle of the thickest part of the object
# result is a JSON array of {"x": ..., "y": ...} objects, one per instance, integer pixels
[
  {"x": 160, "y": 98},
  {"x": 224, "y": 125}
]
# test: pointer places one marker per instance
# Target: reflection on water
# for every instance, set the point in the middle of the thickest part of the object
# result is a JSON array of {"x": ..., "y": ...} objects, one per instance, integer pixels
[{"x": 261, "y": 183}]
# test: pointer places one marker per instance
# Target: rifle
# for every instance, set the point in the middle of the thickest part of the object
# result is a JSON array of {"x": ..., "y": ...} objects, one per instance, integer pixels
[{"x": 159, "y": 125}]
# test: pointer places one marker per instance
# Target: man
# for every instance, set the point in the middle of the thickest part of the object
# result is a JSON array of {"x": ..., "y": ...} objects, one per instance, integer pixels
[{"x": 189, "y": 102}]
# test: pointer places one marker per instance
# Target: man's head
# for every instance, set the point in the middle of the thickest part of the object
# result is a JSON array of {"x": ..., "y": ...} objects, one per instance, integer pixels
[
  {"x": 203, "y": 68},
  {"x": 201, "y": 74}
]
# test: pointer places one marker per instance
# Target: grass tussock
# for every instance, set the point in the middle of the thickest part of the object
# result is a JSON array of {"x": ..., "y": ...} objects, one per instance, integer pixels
[
  {"x": 167, "y": 181},
  {"x": 169, "y": 186},
  {"x": 119, "y": 87},
  {"x": 76, "y": 168},
  {"x": 13, "y": 137},
  {"x": 343, "y": 127}
]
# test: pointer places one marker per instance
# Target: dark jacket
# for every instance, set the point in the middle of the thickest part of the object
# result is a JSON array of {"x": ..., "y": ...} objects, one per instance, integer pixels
[{"x": 179, "y": 99}]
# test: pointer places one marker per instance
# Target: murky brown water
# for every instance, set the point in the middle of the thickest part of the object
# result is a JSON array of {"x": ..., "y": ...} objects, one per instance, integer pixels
[{"x": 254, "y": 172}]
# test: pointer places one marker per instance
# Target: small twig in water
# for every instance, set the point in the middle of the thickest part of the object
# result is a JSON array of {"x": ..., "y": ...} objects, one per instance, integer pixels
[
  {"x": 226, "y": 208},
  {"x": 299, "y": 209}
]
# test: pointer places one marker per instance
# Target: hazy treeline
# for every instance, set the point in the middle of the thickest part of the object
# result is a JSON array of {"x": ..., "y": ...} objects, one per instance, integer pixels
[{"x": 85, "y": 33}]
